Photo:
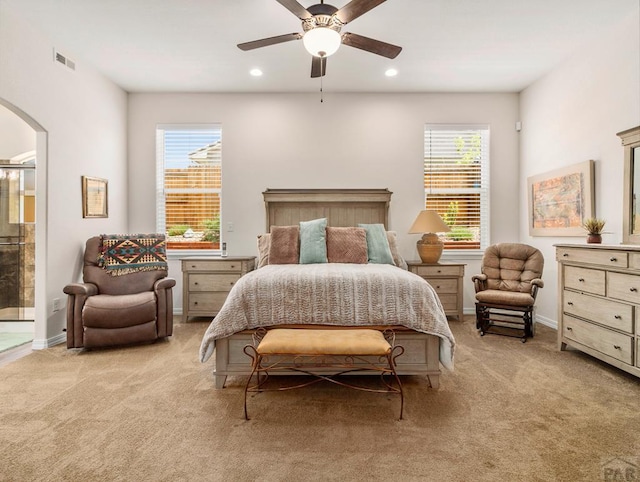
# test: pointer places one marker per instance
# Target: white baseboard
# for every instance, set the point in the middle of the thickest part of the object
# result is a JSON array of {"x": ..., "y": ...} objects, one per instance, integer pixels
[{"x": 42, "y": 343}]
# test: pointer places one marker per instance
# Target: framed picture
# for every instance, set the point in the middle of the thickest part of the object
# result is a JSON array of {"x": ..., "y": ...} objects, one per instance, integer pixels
[
  {"x": 560, "y": 200},
  {"x": 94, "y": 197}
]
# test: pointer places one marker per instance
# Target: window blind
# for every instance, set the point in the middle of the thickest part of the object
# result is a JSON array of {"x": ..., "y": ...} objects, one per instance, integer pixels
[
  {"x": 456, "y": 182},
  {"x": 188, "y": 185}
]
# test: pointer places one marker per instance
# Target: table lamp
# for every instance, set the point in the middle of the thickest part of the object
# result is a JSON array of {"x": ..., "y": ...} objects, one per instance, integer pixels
[{"x": 429, "y": 246}]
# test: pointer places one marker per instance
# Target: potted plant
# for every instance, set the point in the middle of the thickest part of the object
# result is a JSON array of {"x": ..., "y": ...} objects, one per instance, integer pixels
[{"x": 594, "y": 227}]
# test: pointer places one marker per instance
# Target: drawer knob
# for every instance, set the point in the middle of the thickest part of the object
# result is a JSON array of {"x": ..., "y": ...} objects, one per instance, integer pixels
[
  {"x": 196, "y": 283},
  {"x": 193, "y": 266},
  {"x": 439, "y": 271},
  {"x": 566, "y": 255},
  {"x": 617, "y": 317},
  {"x": 581, "y": 280},
  {"x": 570, "y": 303},
  {"x": 231, "y": 283},
  {"x": 233, "y": 266},
  {"x": 617, "y": 347},
  {"x": 613, "y": 258},
  {"x": 633, "y": 290},
  {"x": 569, "y": 328},
  {"x": 195, "y": 302}
]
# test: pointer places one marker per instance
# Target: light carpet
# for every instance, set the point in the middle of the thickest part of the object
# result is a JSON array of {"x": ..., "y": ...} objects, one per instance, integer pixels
[{"x": 509, "y": 411}]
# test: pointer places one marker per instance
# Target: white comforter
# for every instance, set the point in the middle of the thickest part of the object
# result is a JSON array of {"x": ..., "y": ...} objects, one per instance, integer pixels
[{"x": 331, "y": 294}]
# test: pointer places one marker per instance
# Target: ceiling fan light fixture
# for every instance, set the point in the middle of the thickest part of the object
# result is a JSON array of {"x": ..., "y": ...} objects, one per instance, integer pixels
[{"x": 321, "y": 41}]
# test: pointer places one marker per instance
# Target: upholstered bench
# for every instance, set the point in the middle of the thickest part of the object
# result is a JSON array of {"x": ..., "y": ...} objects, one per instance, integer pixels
[{"x": 302, "y": 350}]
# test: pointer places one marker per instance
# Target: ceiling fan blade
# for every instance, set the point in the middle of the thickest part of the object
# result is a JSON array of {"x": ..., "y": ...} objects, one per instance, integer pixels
[
  {"x": 295, "y": 8},
  {"x": 371, "y": 45},
  {"x": 269, "y": 41},
  {"x": 355, "y": 8},
  {"x": 318, "y": 66}
]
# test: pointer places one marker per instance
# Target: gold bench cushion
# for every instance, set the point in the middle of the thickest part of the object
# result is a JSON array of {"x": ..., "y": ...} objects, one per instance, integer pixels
[{"x": 282, "y": 341}]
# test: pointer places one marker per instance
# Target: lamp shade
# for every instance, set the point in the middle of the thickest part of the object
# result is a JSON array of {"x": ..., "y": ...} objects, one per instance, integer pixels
[
  {"x": 428, "y": 222},
  {"x": 321, "y": 41},
  {"x": 429, "y": 246}
]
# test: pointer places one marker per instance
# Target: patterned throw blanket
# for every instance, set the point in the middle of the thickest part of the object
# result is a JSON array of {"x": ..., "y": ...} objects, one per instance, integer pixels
[
  {"x": 331, "y": 294},
  {"x": 122, "y": 254}
]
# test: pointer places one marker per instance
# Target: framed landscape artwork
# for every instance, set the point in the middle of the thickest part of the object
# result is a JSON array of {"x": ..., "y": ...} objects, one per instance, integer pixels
[
  {"x": 94, "y": 197},
  {"x": 560, "y": 200}
]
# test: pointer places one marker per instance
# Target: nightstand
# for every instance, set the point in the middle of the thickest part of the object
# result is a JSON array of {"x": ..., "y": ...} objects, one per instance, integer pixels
[
  {"x": 446, "y": 279},
  {"x": 206, "y": 282}
]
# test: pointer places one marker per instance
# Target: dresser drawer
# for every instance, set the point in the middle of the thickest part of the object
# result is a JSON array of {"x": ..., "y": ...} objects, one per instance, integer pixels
[
  {"x": 611, "y": 343},
  {"x": 438, "y": 270},
  {"x": 444, "y": 285},
  {"x": 623, "y": 287},
  {"x": 609, "y": 258},
  {"x": 212, "y": 282},
  {"x": 606, "y": 312},
  {"x": 207, "y": 302},
  {"x": 210, "y": 265},
  {"x": 585, "y": 279}
]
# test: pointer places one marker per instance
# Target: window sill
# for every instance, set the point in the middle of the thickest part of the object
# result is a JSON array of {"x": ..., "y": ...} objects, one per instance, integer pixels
[{"x": 192, "y": 253}]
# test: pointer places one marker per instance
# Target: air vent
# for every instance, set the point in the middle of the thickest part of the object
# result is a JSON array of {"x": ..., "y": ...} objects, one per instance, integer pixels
[{"x": 58, "y": 57}]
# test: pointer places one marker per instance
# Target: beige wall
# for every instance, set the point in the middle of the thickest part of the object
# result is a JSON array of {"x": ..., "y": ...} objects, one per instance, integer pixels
[
  {"x": 572, "y": 115},
  {"x": 81, "y": 121},
  {"x": 350, "y": 140}
]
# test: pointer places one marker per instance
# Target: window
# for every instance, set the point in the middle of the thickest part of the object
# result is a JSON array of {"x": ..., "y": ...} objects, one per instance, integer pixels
[
  {"x": 188, "y": 186},
  {"x": 456, "y": 182}
]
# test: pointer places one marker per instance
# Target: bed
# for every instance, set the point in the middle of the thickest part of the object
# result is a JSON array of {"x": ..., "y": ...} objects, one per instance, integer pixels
[{"x": 331, "y": 295}]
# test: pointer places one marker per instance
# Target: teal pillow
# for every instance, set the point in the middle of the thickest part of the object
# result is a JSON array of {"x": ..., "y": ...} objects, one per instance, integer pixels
[
  {"x": 378, "y": 249},
  {"x": 313, "y": 241}
]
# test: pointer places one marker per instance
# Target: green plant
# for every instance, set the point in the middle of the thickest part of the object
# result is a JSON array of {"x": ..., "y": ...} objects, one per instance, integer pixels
[
  {"x": 211, "y": 230},
  {"x": 177, "y": 230},
  {"x": 593, "y": 225},
  {"x": 451, "y": 215},
  {"x": 460, "y": 233}
]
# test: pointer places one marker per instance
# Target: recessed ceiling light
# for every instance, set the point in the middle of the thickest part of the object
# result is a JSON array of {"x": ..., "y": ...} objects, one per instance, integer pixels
[
  {"x": 391, "y": 72},
  {"x": 256, "y": 72}
]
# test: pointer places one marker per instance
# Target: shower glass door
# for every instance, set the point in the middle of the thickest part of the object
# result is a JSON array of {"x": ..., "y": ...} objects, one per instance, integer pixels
[{"x": 17, "y": 242}]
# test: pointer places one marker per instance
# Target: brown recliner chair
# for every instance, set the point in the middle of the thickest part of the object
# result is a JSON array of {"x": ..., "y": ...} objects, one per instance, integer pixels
[
  {"x": 117, "y": 310},
  {"x": 507, "y": 288}
]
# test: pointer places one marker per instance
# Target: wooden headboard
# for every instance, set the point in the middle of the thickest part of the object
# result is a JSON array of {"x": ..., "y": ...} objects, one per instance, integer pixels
[{"x": 341, "y": 207}]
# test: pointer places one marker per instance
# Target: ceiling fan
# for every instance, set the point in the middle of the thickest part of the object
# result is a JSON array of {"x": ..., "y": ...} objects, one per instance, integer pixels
[{"x": 321, "y": 24}]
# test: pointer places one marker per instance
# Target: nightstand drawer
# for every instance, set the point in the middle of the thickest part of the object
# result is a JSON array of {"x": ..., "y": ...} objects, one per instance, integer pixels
[
  {"x": 449, "y": 302},
  {"x": 444, "y": 285},
  {"x": 438, "y": 270},
  {"x": 212, "y": 282},
  {"x": 207, "y": 302},
  {"x": 210, "y": 265}
]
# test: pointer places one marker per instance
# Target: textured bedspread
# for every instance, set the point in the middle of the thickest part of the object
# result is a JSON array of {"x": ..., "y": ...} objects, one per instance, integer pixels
[{"x": 331, "y": 294}]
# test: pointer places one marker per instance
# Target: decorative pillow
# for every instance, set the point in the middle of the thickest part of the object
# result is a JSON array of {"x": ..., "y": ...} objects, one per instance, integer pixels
[
  {"x": 378, "y": 250},
  {"x": 284, "y": 245},
  {"x": 264, "y": 241},
  {"x": 313, "y": 241},
  {"x": 393, "y": 246},
  {"x": 347, "y": 245}
]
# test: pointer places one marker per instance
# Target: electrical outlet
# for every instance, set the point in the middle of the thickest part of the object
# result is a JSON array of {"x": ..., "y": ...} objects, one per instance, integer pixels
[
  {"x": 229, "y": 227},
  {"x": 56, "y": 304}
]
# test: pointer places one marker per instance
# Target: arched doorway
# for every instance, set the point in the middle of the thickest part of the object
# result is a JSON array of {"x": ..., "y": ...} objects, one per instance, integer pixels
[{"x": 22, "y": 223}]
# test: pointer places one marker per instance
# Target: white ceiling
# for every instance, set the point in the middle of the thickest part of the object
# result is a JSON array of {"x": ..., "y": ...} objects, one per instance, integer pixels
[{"x": 448, "y": 45}]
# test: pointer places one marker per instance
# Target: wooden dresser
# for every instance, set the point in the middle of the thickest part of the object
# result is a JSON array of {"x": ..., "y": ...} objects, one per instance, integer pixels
[
  {"x": 446, "y": 279},
  {"x": 599, "y": 302},
  {"x": 206, "y": 282}
]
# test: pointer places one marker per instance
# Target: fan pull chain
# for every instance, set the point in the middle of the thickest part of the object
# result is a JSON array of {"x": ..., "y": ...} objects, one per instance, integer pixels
[{"x": 321, "y": 76}]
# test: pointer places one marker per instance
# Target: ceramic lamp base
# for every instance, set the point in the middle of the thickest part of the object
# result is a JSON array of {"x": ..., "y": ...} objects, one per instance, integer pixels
[{"x": 430, "y": 248}]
